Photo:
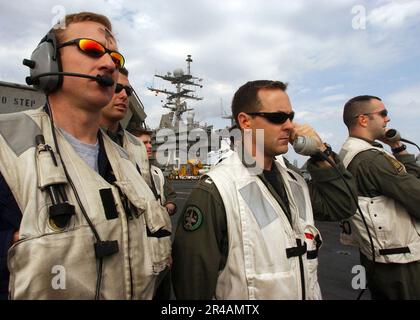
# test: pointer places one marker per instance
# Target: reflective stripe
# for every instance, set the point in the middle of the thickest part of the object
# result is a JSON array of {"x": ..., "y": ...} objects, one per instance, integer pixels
[
  {"x": 19, "y": 131},
  {"x": 262, "y": 210},
  {"x": 299, "y": 196}
]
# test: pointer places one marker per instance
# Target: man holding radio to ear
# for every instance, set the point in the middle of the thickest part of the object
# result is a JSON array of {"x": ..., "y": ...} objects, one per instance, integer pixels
[
  {"x": 389, "y": 196},
  {"x": 247, "y": 231},
  {"x": 75, "y": 202}
]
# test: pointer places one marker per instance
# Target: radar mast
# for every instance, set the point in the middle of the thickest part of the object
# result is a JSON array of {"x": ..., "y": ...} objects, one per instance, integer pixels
[{"x": 176, "y": 101}]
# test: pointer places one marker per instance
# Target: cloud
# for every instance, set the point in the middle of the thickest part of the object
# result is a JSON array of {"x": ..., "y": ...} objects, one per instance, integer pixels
[
  {"x": 310, "y": 44},
  {"x": 332, "y": 88},
  {"x": 394, "y": 14},
  {"x": 337, "y": 97},
  {"x": 406, "y": 100},
  {"x": 317, "y": 116},
  {"x": 404, "y": 107}
]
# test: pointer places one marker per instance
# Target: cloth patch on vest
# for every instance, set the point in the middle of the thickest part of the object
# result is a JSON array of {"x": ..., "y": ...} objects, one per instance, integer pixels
[
  {"x": 262, "y": 210},
  {"x": 208, "y": 180},
  {"x": 18, "y": 130},
  {"x": 299, "y": 196},
  {"x": 193, "y": 218},
  {"x": 398, "y": 166}
]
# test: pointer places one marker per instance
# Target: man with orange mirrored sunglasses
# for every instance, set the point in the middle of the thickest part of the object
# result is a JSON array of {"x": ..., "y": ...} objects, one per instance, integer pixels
[{"x": 75, "y": 206}]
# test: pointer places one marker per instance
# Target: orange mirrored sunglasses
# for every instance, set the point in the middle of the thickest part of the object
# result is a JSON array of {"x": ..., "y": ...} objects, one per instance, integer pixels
[{"x": 94, "y": 49}]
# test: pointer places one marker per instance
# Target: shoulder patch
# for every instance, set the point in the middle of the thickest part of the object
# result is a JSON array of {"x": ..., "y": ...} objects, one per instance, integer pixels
[
  {"x": 398, "y": 166},
  {"x": 205, "y": 179},
  {"x": 208, "y": 180},
  {"x": 192, "y": 219}
]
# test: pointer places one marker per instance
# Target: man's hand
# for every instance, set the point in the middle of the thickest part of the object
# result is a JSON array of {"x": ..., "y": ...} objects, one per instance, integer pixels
[
  {"x": 15, "y": 237},
  {"x": 308, "y": 131},
  {"x": 171, "y": 208},
  {"x": 392, "y": 144}
]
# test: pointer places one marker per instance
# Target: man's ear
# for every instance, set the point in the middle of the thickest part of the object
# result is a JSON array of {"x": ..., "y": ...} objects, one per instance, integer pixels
[
  {"x": 362, "y": 120},
  {"x": 244, "y": 120}
]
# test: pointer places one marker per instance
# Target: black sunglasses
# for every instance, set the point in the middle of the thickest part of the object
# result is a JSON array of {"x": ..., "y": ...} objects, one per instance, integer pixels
[
  {"x": 274, "y": 117},
  {"x": 383, "y": 113},
  {"x": 120, "y": 87}
]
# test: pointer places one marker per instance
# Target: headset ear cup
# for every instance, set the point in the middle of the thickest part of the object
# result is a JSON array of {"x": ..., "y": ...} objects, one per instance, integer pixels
[
  {"x": 58, "y": 61},
  {"x": 46, "y": 58}
]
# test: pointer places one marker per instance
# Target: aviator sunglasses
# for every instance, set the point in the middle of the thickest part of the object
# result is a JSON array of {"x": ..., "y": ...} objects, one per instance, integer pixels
[
  {"x": 95, "y": 49},
  {"x": 128, "y": 90},
  {"x": 274, "y": 117}
]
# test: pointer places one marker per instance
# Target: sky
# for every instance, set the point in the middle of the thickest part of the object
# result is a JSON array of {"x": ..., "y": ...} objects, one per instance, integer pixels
[{"x": 327, "y": 51}]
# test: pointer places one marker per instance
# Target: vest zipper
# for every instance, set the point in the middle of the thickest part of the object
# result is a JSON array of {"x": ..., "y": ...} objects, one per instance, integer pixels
[
  {"x": 289, "y": 225},
  {"x": 130, "y": 217},
  {"x": 302, "y": 271}
]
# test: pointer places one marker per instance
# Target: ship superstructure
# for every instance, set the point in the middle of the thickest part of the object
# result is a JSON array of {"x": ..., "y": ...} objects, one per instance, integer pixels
[{"x": 185, "y": 133}]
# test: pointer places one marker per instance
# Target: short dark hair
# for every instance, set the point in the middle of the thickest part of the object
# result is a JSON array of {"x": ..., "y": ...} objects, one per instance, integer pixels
[
  {"x": 138, "y": 131},
  {"x": 356, "y": 106},
  {"x": 124, "y": 71},
  {"x": 246, "y": 97}
]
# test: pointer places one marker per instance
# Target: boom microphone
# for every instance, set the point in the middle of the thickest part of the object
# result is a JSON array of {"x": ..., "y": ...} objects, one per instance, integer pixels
[
  {"x": 104, "y": 81},
  {"x": 393, "y": 135}
]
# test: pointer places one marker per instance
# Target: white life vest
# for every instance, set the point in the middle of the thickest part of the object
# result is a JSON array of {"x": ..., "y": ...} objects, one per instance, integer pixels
[
  {"x": 138, "y": 154},
  {"x": 265, "y": 260},
  {"x": 159, "y": 182},
  {"x": 394, "y": 232},
  {"x": 51, "y": 263}
]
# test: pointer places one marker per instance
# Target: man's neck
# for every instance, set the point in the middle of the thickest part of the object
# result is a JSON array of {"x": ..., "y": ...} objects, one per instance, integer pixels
[
  {"x": 112, "y": 126},
  {"x": 268, "y": 163},
  {"x": 262, "y": 160},
  {"x": 80, "y": 123}
]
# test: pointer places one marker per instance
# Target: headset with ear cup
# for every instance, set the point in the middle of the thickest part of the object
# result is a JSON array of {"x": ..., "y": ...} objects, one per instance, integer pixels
[
  {"x": 45, "y": 59},
  {"x": 46, "y": 70}
]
